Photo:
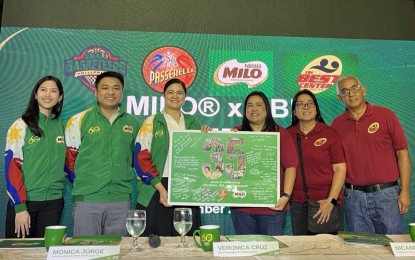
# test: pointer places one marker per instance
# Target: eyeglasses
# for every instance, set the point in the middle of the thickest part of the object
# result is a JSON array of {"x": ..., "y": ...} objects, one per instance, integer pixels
[
  {"x": 309, "y": 104},
  {"x": 346, "y": 91}
]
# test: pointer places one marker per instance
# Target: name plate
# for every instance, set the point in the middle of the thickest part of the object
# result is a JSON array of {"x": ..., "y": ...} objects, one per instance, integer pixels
[
  {"x": 84, "y": 252},
  {"x": 403, "y": 248},
  {"x": 245, "y": 248}
]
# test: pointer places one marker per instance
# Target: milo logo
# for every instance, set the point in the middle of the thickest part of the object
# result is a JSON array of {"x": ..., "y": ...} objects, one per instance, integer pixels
[{"x": 232, "y": 72}]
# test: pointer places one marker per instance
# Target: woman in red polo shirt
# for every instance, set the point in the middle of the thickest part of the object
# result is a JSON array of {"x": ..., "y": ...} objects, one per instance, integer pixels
[
  {"x": 323, "y": 162},
  {"x": 257, "y": 117}
]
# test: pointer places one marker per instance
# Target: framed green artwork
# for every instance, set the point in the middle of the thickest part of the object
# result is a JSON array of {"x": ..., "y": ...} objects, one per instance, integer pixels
[{"x": 224, "y": 168}]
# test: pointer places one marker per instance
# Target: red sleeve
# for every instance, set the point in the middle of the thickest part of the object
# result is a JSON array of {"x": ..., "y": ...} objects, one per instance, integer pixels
[
  {"x": 144, "y": 161},
  {"x": 289, "y": 156},
  {"x": 13, "y": 162},
  {"x": 143, "y": 165},
  {"x": 71, "y": 154},
  {"x": 14, "y": 179}
]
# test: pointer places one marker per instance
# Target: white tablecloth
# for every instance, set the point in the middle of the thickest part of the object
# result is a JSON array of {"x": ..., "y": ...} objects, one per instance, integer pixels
[{"x": 299, "y": 247}]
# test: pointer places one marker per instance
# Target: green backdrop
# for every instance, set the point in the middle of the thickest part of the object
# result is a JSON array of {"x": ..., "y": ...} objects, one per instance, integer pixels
[
  {"x": 385, "y": 67},
  {"x": 46, "y": 37}
]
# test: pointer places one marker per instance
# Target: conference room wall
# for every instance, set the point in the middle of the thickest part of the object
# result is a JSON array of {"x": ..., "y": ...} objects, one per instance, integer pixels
[{"x": 354, "y": 19}]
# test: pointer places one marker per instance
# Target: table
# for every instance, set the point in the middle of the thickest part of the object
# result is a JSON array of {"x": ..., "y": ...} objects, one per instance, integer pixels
[{"x": 319, "y": 247}]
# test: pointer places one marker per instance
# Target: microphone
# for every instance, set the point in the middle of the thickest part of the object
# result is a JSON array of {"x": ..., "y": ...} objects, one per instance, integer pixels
[{"x": 154, "y": 240}]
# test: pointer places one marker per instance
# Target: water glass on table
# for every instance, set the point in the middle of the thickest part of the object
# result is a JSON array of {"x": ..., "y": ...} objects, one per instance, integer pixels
[
  {"x": 182, "y": 221},
  {"x": 136, "y": 223}
]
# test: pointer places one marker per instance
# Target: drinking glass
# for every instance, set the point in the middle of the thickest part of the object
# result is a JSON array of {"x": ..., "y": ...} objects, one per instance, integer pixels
[
  {"x": 136, "y": 223},
  {"x": 182, "y": 221}
]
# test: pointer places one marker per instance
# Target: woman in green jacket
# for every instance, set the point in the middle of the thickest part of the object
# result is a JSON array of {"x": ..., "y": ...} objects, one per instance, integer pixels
[
  {"x": 151, "y": 159},
  {"x": 34, "y": 163}
]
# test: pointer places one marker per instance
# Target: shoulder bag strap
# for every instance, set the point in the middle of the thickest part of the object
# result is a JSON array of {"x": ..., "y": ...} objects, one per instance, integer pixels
[{"x": 300, "y": 156}]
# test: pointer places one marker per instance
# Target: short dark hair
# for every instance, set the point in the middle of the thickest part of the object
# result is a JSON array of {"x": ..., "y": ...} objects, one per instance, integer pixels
[
  {"x": 111, "y": 74},
  {"x": 294, "y": 119},
  {"x": 175, "y": 81}
]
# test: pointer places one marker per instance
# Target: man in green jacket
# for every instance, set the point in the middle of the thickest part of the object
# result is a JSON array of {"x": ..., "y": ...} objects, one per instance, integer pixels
[{"x": 100, "y": 144}]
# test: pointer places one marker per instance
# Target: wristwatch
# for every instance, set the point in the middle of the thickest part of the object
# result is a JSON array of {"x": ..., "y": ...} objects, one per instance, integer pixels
[
  {"x": 288, "y": 196},
  {"x": 332, "y": 200}
]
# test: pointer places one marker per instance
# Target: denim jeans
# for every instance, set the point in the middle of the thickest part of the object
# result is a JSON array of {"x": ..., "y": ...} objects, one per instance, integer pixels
[
  {"x": 248, "y": 224},
  {"x": 374, "y": 212}
]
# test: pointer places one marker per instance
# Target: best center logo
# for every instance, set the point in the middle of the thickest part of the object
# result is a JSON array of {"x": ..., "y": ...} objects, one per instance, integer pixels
[{"x": 320, "y": 74}]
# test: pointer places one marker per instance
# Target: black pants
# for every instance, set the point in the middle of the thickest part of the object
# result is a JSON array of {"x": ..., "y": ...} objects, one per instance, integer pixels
[
  {"x": 299, "y": 218},
  {"x": 160, "y": 219},
  {"x": 42, "y": 214}
]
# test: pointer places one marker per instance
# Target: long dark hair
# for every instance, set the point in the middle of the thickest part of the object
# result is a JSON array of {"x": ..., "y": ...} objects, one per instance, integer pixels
[
  {"x": 31, "y": 115},
  {"x": 294, "y": 118},
  {"x": 269, "y": 125}
]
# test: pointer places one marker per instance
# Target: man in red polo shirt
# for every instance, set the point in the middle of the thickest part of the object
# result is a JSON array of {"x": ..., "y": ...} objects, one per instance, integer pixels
[{"x": 377, "y": 157}]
